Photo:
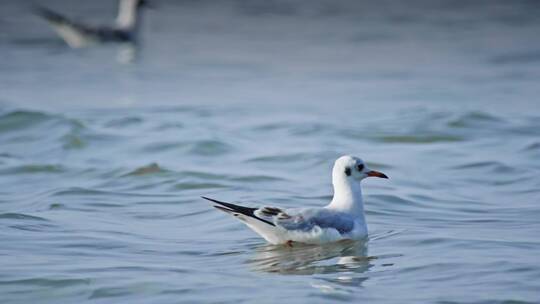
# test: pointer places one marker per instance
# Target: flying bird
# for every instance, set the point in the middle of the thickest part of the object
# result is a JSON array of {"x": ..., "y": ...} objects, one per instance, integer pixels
[
  {"x": 79, "y": 35},
  {"x": 343, "y": 218}
]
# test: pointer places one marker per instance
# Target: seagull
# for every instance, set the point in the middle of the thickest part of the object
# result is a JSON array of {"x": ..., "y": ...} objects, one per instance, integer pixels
[
  {"x": 342, "y": 219},
  {"x": 78, "y": 35}
]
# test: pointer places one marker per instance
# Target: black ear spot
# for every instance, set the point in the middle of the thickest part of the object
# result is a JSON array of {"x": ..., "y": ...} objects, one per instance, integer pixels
[{"x": 348, "y": 171}]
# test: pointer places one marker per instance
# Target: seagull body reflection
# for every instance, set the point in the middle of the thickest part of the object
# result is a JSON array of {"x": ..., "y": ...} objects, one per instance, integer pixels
[{"x": 304, "y": 259}]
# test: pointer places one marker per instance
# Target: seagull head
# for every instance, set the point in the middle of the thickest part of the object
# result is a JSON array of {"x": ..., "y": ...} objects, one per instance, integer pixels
[{"x": 353, "y": 167}]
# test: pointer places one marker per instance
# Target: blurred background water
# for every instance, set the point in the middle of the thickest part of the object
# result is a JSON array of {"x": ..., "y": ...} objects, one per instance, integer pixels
[{"x": 102, "y": 163}]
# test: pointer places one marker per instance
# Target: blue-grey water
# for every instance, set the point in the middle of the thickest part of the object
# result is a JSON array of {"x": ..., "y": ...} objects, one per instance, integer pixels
[{"x": 102, "y": 163}]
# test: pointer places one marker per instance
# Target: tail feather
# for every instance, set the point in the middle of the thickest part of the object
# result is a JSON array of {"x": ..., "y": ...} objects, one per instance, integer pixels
[{"x": 232, "y": 208}]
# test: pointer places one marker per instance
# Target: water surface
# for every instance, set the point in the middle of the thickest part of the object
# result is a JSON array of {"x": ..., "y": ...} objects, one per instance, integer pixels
[{"x": 102, "y": 164}]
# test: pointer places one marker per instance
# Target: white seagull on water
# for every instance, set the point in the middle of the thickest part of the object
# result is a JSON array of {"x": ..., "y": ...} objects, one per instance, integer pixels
[
  {"x": 78, "y": 35},
  {"x": 342, "y": 219}
]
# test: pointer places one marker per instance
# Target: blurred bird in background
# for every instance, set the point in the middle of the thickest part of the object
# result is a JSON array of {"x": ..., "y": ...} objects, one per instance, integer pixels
[{"x": 79, "y": 35}]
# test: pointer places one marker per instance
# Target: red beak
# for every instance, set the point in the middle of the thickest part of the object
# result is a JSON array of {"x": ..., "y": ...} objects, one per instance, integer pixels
[{"x": 376, "y": 174}]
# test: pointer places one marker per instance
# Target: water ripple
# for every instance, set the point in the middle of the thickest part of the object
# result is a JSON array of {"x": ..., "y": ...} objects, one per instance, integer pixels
[
  {"x": 87, "y": 189},
  {"x": 21, "y": 216}
]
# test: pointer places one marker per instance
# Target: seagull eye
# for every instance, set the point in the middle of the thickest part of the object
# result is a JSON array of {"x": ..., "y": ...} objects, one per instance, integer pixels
[{"x": 360, "y": 167}]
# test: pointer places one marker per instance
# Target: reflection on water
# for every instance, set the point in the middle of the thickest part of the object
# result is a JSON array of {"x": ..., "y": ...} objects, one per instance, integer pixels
[
  {"x": 127, "y": 53},
  {"x": 301, "y": 259}
]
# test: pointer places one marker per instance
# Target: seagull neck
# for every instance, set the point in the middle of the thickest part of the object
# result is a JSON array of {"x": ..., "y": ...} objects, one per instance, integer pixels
[
  {"x": 347, "y": 196},
  {"x": 127, "y": 14}
]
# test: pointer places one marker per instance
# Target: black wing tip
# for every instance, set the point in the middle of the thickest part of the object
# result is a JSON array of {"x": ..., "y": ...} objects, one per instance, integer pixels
[
  {"x": 48, "y": 14},
  {"x": 223, "y": 209},
  {"x": 232, "y": 208},
  {"x": 42, "y": 11},
  {"x": 212, "y": 200}
]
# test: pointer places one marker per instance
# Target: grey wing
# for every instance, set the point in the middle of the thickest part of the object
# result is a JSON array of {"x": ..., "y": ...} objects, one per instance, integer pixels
[
  {"x": 308, "y": 219},
  {"x": 343, "y": 223}
]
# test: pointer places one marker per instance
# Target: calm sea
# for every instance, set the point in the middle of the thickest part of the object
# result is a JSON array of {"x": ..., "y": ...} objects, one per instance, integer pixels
[{"x": 102, "y": 163}]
